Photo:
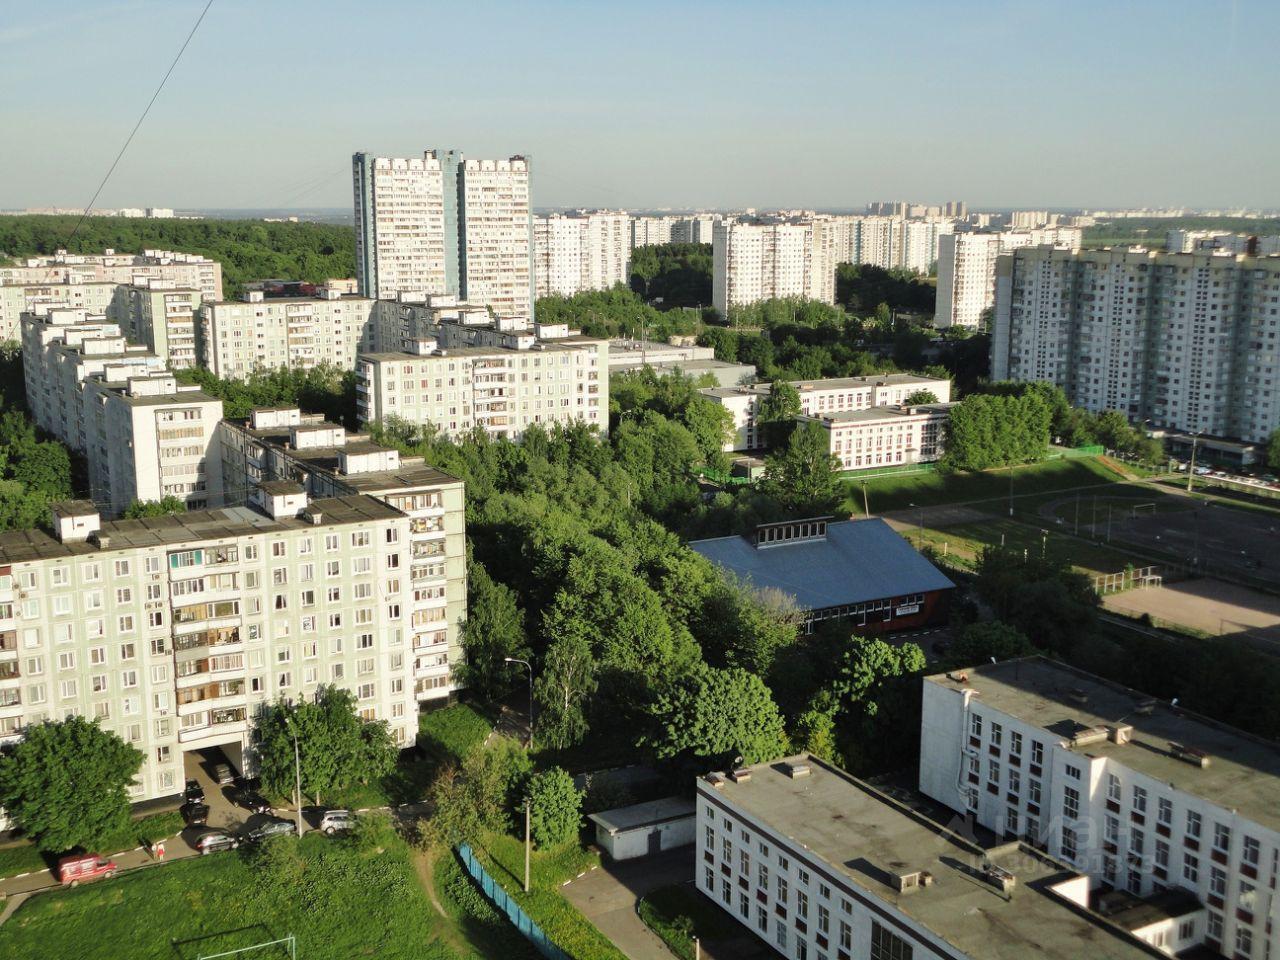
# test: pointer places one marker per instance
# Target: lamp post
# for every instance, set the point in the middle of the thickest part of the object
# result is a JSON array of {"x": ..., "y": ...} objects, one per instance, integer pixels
[
  {"x": 1191, "y": 467},
  {"x": 527, "y": 835}
]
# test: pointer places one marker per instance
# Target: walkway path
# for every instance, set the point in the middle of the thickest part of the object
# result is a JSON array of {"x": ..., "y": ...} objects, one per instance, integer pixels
[{"x": 607, "y": 896}]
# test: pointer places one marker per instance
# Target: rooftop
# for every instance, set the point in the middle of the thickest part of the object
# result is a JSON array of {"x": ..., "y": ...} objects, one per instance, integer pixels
[
  {"x": 865, "y": 839},
  {"x": 874, "y": 414},
  {"x": 644, "y": 814},
  {"x": 1243, "y": 773},
  {"x": 859, "y": 560},
  {"x": 26, "y": 546}
]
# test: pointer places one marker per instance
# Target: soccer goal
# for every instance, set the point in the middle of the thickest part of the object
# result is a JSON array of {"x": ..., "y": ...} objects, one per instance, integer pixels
[
  {"x": 289, "y": 944},
  {"x": 1142, "y": 510}
]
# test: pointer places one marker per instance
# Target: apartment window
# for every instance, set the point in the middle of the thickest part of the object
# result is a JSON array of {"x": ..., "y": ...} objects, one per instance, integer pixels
[
  {"x": 1139, "y": 800},
  {"x": 1244, "y": 940},
  {"x": 279, "y": 549},
  {"x": 1221, "y": 837},
  {"x": 888, "y": 946},
  {"x": 1113, "y": 787},
  {"x": 824, "y": 920},
  {"x": 1072, "y": 771},
  {"x": 128, "y": 651},
  {"x": 781, "y": 935},
  {"x": 67, "y": 660},
  {"x": 1164, "y": 811},
  {"x": 1015, "y": 743},
  {"x": 975, "y": 725},
  {"x": 1217, "y": 882},
  {"x": 1068, "y": 843},
  {"x": 846, "y": 936},
  {"x": 67, "y": 689},
  {"x": 1037, "y": 752},
  {"x": 1070, "y": 803},
  {"x": 1250, "y": 851},
  {"x": 1213, "y": 929},
  {"x": 1162, "y": 854},
  {"x": 1191, "y": 868},
  {"x": 802, "y": 904},
  {"x": 331, "y": 541},
  {"x": 360, "y": 538},
  {"x": 783, "y": 891},
  {"x": 762, "y": 920},
  {"x": 997, "y": 734},
  {"x": 1193, "y": 825}
]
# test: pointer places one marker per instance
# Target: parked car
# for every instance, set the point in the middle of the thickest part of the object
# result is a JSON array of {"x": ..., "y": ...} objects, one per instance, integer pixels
[
  {"x": 271, "y": 827},
  {"x": 216, "y": 840},
  {"x": 223, "y": 774},
  {"x": 194, "y": 793},
  {"x": 251, "y": 800},
  {"x": 194, "y": 813},
  {"x": 336, "y": 821},
  {"x": 84, "y": 866}
]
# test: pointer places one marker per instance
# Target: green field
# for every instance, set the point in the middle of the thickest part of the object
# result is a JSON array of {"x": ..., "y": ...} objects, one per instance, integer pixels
[
  {"x": 962, "y": 543},
  {"x": 932, "y": 489},
  {"x": 340, "y": 902}
]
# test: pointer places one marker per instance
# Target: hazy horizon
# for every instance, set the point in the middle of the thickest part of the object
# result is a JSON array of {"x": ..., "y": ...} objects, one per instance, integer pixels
[{"x": 719, "y": 105}]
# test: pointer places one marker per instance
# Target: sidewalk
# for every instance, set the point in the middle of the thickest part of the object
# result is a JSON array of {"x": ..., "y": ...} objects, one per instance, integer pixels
[{"x": 607, "y": 896}]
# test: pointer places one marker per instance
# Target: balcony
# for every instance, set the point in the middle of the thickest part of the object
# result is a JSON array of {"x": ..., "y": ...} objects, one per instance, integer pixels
[
  {"x": 223, "y": 732},
  {"x": 9, "y": 673},
  {"x": 8, "y": 644}
]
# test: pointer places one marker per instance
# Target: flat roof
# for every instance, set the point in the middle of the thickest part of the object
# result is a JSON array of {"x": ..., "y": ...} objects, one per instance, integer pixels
[
  {"x": 545, "y": 346},
  {"x": 859, "y": 560},
  {"x": 872, "y": 414},
  {"x": 865, "y": 839},
  {"x": 836, "y": 383},
  {"x": 25, "y": 546},
  {"x": 1243, "y": 774},
  {"x": 644, "y": 814}
]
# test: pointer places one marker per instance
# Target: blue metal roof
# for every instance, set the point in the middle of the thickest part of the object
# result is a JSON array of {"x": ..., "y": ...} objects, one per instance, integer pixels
[{"x": 860, "y": 560}]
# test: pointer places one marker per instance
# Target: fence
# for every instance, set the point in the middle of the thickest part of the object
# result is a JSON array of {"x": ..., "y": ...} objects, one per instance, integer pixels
[
  {"x": 504, "y": 902},
  {"x": 1128, "y": 579},
  {"x": 1070, "y": 453}
]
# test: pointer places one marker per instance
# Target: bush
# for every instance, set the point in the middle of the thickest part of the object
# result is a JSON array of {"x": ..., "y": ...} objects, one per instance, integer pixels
[
  {"x": 452, "y": 733},
  {"x": 555, "y": 808}
]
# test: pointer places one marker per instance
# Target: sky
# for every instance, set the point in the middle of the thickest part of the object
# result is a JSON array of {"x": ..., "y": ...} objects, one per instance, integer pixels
[{"x": 701, "y": 103}]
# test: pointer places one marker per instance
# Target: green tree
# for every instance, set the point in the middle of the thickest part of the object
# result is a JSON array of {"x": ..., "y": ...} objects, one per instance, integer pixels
[
  {"x": 567, "y": 680},
  {"x": 921, "y": 396},
  {"x": 165, "y": 507},
  {"x": 979, "y": 642},
  {"x": 555, "y": 808},
  {"x": 20, "y": 509},
  {"x": 65, "y": 784},
  {"x": 778, "y": 411},
  {"x": 804, "y": 478},
  {"x": 493, "y": 631},
  {"x": 740, "y": 626},
  {"x": 336, "y": 748},
  {"x": 709, "y": 717},
  {"x": 876, "y": 693},
  {"x": 1273, "y": 450}
]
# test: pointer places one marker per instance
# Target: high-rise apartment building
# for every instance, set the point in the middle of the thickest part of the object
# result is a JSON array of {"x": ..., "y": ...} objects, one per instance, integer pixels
[
  {"x": 763, "y": 261},
  {"x": 1142, "y": 797},
  {"x": 144, "y": 436},
  {"x": 967, "y": 269},
  {"x": 1030, "y": 219},
  {"x": 161, "y": 316},
  {"x": 1184, "y": 340},
  {"x": 1194, "y": 241},
  {"x": 443, "y": 224},
  {"x": 580, "y": 251},
  {"x": 501, "y": 376},
  {"x": 173, "y": 632},
  {"x": 243, "y": 337},
  {"x": 652, "y": 231},
  {"x": 283, "y": 444}
]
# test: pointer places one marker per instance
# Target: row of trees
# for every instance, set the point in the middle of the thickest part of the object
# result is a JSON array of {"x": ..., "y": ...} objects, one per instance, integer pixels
[
  {"x": 863, "y": 288},
  {"x": 247, "y": 249},
  {"x": 618, "y": 312},
  {"x": 324, "y": 389},
  {"x": 34, "y": 470},
  {"x": 677, "y": 274}
]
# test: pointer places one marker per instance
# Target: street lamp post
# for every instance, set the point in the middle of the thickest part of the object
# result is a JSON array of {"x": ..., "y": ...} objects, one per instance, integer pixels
[
  {"x": 297, "y": 776},
  {"x": 528, "y": 843},
  {"x": 1191, "y": 467}
]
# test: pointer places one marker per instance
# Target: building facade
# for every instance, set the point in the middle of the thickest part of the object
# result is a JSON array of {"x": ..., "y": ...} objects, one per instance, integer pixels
[
  {"x": 1183, "y": 340},
  {"x": 283, "y": 444},
  {"x": 885, "y": 436},
  {"x": 161, "y": 316},
  {"x": 764, "y": 261},
  {"x": 821, "y": 399},
  {"x": 1138, "y": 795},
  {"x": 243, "y": 337},
  {"x": 143, "y": 435},
  {"x": 587, "y": 250},
  {"x": 967, "y": 269},
  {"x": 174, "y": 632}
]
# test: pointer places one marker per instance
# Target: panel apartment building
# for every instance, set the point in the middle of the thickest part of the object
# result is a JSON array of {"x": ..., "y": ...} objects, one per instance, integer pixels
[
  {"x": 283, "y": 445},
  {"x": 243, "y": 337},
  {"x": 162, "y": 316},
  {"x": 1185, "y": 340},
  {"x": 823, "y": 399},
  {"x": 587, "y": 250},
  {"x": 462, "y": 371},
  {"x": 443, "y": 224},
  {"x": 967, "y": 269},
  {"x": 763, "y": 261},
  {"x": 144, "y": 436},
  {"x": 1139, "y": 795},
  {"x": 173, "y": 632},
  {"x": 90, "y": 282},
  {"x": 817, "y": 864}
]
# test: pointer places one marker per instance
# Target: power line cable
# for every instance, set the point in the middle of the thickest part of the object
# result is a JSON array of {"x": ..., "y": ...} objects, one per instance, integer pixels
[{"x": 134, "y": 131}]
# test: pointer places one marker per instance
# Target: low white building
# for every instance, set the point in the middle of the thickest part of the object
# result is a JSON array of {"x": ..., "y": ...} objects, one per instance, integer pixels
[
  {"x": 823, "y": 398},
  {"x": 1141, "y": 796},
  {"x": 885, "y": 436},
  {"x": 645, "y": 828},
  {"x": 818, "y": 864}
]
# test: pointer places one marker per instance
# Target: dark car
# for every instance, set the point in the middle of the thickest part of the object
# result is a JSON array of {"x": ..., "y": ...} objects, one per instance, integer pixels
[
  {"x": 271, "y": 827},
  {"x": 252, "y": 801},
  {"x": 195, "y": 813},
  {"x": 223, "y": 773},
  {"x": 214, "y": 841},
  {"x": 194, "y": 793}
]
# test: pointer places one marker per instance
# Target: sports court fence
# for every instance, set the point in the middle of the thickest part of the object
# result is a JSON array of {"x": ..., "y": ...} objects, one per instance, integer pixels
[{"x": 504, "y": 902}]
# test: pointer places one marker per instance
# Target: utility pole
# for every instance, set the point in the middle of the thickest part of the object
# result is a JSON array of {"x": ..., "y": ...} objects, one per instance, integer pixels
[
  {"x": 297, "y": 779},
  {"x": 1011, "y": 489},
  {"x": 526, "y": 844},
  {"x": 1191, "y": 467},
  {"x": 866, "y": 510},
  {"x": 1077, "y": 513},
  {"x": 1108, "y": 523}
]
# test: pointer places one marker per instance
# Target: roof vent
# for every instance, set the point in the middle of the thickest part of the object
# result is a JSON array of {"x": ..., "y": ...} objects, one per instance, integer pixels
[
  {"x": 313, "y": 516},
  {"x": 1120, "y": 734},
  {"x": 1079, "y": 695},
  {"x": 998, "y": 877},
  {"x": 1087, "y": 735},
  {"x": 1180, "y": 751},
  {"x": 797, "y": 769},
  {"x": 912, "y": 881},
  {"x": 715, "y": 780},
  {"x": 1145, "y": 708},
  {"x": 740, "y": 774},
  {"x": 100, "y": 540}
]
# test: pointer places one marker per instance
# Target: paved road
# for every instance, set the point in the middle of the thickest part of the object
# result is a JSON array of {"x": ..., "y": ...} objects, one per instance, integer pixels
[{"x": 607, "y": 896}]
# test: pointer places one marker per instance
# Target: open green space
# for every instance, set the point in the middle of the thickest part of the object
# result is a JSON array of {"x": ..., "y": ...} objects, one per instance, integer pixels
[
  {"x": 679, "y": 913},
  {"x": 933, "y": 489},
  {"x": 24, "y": 857},
  {"x": 963, "y": 542},
  {"x": 339, "y": 900}
]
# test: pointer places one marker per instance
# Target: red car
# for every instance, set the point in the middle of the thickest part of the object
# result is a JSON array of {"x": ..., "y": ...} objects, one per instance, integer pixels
[{"x": 87, "y": 866}]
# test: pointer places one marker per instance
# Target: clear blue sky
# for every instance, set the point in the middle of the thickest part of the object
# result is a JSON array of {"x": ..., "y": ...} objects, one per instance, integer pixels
[{"x": 694, "y": 103}]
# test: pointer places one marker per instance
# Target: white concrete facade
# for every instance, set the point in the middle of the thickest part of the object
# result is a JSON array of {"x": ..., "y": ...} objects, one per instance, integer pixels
[
  {"x": 587, "y": 250},
  {"x": 161, "y": 316},
  {"x": 885, "y": 436},
  {"x": 967, "y": 269},
  {"x": 763, "y": 261}
]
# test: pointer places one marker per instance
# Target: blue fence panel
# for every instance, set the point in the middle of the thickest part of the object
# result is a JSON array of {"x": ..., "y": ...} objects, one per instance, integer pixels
[{"x": 507, "y": 905}]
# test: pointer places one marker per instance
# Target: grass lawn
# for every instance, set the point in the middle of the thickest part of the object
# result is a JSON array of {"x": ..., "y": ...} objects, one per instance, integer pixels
[
  {"x": 489, "y": 933},
  {"x": 453, "y": 732},
  {"x": 340, "y": 901},
  {"x": 932, "y": 489},
  {"x": 963, "y": 543},
  {"x": 24, "y": 857},
  {"x": 503, "y": 856},
  {"x": 678, "y": 913}
]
